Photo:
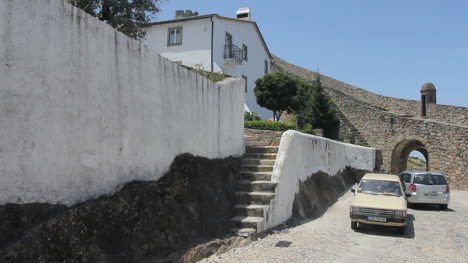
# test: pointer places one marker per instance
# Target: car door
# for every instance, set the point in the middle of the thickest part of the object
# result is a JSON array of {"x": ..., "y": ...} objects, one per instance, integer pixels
[{"x": 406, "y": 181}]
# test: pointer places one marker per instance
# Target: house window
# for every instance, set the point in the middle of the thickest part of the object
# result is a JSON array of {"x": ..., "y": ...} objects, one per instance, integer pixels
[
  {"x": 228, "y": 46},
  {"x": 244, "y": 52},
  {"x": 245, "y": 78},
  {"x": 266, "y": 66},
  {"x": 174, "y": 36}
]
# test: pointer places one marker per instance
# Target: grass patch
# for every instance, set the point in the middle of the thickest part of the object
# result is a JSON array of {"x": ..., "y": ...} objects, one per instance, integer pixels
[{"x": 215, "y": 77}]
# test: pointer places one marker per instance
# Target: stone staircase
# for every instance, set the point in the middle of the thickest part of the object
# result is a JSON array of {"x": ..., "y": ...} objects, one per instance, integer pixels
[
  {"x": 255, "y": 189},
  {"x": 346, "y": 124}
]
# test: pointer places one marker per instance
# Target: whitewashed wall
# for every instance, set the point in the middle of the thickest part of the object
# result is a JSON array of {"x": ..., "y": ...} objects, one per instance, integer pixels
[
  {"x": 84, "y": 109},
  {"x": 253, "y": 68},
  {"x": 301, "y": 155},
  {"x": 195, "y": 50}
]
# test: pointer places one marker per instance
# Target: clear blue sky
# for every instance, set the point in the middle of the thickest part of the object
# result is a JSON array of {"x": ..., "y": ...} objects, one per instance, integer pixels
[{"x": 388, "y": 47}]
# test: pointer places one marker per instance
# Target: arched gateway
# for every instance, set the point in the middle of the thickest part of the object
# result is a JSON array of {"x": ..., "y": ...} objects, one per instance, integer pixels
[{"x": 401, "y": 153}]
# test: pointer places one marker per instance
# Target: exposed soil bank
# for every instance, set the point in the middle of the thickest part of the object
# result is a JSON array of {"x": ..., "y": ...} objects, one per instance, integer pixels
[
  {"x": 321, "y": 191},
  {"x": 143, "y": 222}
]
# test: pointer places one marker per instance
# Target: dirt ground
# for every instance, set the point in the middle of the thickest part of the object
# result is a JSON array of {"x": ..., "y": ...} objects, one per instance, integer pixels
[{"x": 432, "y": 236}]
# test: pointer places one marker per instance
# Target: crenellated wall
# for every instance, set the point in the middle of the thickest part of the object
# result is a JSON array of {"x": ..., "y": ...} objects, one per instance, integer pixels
[{"x": 85, "y": 109}]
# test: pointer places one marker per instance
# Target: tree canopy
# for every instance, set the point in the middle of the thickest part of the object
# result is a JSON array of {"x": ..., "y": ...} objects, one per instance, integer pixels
[
  {"x": 127, "y": 16},
  {"x": 281, "y": 92},
  {"x": 276, "y": 92},
  {"x": 317, "y": 108}
]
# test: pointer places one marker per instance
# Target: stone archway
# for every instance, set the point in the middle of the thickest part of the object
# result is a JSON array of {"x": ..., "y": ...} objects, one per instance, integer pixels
[{"x": 401, "y": 152}]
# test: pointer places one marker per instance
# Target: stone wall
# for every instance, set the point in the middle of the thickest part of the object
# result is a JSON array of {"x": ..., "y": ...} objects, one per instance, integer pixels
[
  {"x": 85, "y": 109},
  {"x": 302, "y": 156},
  {"x": 443, "y": 113},
  {"x": 384, "y": 124},
  {"x": 273, "y": 137},
  {"x": 447, "y": 144}
]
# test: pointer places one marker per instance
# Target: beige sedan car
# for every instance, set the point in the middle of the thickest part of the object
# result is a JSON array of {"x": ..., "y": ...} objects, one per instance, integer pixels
[{"x": 379, "y": 200}]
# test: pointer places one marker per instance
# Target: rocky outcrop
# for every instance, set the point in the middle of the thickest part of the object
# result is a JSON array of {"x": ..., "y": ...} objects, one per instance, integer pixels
[{"x": 143, "y": 222}]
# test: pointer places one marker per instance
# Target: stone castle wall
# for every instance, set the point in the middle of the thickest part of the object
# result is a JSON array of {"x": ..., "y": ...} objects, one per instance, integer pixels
[
  {"x": 385, "y": 122},
  {"x": 447, "y": 144},
  {"x": 438, "y": 112}
]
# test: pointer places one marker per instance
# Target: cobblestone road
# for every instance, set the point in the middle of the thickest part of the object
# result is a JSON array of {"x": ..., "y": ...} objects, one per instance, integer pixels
[{"x": 432, "y": 236}]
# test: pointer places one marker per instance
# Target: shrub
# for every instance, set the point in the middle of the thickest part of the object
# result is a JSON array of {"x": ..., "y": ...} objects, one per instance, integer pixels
[
  {"x": 308, "y": 129},
  {"x": 269, "y": 125},
  {"x": 251, "y": 116}
]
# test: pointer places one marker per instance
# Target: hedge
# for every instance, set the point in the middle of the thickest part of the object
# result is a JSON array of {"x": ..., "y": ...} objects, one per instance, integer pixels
[{"x": 270, "y": 125}]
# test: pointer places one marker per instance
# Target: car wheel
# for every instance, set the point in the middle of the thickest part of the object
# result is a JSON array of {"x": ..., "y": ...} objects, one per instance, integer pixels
[
  {"x": 443, "y": 207},
  {"x": 402, "y": 230},
  {"x": 353, "y": 225}
]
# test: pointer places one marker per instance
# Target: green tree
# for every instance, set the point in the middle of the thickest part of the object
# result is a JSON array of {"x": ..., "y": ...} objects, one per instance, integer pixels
[
  {"x": 127, "y": 16},
  {"x": 317, "y": 108},
  {"x": 276, "y": 92}
]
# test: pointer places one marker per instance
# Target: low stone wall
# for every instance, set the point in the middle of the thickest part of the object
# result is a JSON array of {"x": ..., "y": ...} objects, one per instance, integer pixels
[
  {"x": 301, "y": 157},
  {"x": 273, "y": 137},
  {"x": 143, "y": 222}
]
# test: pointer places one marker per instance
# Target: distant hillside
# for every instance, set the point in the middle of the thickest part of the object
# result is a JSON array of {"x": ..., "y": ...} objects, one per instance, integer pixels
[{"x": 415, "y": 163}]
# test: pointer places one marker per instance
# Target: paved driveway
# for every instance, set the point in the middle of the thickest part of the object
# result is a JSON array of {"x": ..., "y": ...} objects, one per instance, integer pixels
[{"x": 432, "y": 236}]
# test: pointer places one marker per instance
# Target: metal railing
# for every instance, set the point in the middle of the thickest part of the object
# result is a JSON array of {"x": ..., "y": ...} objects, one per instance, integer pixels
[{"x": 234, "y": 52}]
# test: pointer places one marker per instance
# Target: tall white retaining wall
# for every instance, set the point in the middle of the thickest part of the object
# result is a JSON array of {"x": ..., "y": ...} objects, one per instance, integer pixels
[
  {"x": 301, "y": 155},
  {"x": 84, "y": 109}
]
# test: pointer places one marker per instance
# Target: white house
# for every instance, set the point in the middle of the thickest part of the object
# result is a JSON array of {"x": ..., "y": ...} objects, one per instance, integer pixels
[{"x": 233, "y": 46}]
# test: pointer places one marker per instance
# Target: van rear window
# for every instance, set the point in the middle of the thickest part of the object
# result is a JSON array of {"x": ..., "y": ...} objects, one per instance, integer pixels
[{"x": 429, "y": 179}]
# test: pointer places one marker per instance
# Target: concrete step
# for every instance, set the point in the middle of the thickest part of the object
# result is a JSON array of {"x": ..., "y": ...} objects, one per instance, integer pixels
[
  {"x": 255, "y": 198},
  {"x": 256, "y": 176},
  {"x": 261, "y": 149},
  {"x": 244, "y": 232},
  {"x": 269, "y": 156},
  {"x": 256, "y": 143},
  {"x": 250, "y": 210},
  {"x": 251, "y": 138},
  {"x": 257, "y": 168},
  {"x": 246, "y": 222},
  {"x": 256, "y": 161},
  {"x": 256, "y": 186}
]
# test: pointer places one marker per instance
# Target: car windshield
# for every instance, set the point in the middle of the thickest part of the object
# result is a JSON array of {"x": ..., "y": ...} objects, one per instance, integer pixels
[
  {"x": 379, "y": 187},
  {"x": 429, "y": 179}
]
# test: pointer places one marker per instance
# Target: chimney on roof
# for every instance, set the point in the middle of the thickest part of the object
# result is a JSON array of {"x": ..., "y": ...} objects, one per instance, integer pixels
[
  {"x": 244, "y": 13},
  {"x": 186, "y": 13},
  {"x": 179, "y": 13}
]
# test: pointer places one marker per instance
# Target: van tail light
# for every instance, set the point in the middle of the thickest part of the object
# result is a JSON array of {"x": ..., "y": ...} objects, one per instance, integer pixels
[
  {"x": 412, "y": 188},
  {"x": 447, "y": 189}
]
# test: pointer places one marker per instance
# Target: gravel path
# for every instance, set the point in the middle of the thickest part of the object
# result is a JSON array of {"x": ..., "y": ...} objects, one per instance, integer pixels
[{"x": 432, "y": 236}]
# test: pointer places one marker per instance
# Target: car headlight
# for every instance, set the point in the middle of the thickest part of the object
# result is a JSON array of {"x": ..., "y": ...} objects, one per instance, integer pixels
[
  {"x": 355, "y": 209},
  {"x": 400, "y": 213}
]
